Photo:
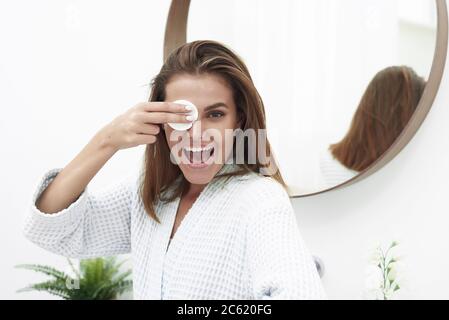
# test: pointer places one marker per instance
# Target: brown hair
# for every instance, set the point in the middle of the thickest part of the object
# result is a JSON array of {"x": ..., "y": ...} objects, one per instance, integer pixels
[
  {"x": 196, "y": 58},
  {"x": 385, "y": 109}
]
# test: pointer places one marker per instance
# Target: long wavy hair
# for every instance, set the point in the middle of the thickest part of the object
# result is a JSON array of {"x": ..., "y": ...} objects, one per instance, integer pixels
[
  {"x": 384, "y": 110},
  {"x": 197, "y": 58}
]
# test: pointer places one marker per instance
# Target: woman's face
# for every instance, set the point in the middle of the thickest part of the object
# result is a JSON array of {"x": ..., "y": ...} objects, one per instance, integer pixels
[{"x": 217, "y": 119}]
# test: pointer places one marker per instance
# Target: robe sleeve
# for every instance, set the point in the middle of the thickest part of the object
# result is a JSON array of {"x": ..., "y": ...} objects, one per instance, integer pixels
[
  {"x": 94, "y": 225},
  {"x": 280, "y": 264}
]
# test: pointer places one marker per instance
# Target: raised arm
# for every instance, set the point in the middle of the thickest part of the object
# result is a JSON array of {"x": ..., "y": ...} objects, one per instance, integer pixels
[{"x": 66, "y": 218}]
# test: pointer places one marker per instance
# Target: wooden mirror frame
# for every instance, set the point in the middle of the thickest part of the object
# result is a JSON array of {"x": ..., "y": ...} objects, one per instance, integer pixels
[{"x": 176, "y": 35}]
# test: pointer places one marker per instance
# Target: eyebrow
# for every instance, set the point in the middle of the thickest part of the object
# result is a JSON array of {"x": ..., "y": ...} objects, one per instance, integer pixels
[{"x": 216, "y": 105}]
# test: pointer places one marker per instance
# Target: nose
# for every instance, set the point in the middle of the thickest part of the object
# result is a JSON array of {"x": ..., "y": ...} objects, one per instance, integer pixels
[{"x": 200, "y": 134}]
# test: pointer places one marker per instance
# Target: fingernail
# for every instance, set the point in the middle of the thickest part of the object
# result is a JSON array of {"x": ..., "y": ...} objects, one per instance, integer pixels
[
  {"x": 189, "y": 118},
  {"x": 189, "y": 108}
]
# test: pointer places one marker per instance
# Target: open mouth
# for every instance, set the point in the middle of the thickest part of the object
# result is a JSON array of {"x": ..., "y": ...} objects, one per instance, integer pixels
[{"x": 199, "y": 155}]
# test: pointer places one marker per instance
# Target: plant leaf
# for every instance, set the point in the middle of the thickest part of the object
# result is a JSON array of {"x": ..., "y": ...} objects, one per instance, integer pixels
[
  {"x": 47, "y": 270},
  {"x": 52, "y": 287}
]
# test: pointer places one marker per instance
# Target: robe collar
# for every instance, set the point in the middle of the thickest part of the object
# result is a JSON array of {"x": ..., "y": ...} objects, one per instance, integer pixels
[{"x": 162, "y": 247}]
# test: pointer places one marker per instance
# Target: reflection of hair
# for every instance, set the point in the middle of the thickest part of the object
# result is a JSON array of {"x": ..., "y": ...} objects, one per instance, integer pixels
[
  {"x": 385, "y": 109},
  {"x": 201, "y": 57}
]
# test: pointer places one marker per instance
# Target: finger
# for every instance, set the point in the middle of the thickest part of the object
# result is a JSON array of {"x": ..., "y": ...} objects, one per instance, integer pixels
[
  {"x": 145, "y": 139},
  {"x": 165, "y": 117},
  {"x": 148, "y": 129},
  {"x": 164, "y": 106}
]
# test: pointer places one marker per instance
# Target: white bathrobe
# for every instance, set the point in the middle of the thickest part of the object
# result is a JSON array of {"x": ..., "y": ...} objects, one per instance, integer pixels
[{"x": 239, "y": 240}]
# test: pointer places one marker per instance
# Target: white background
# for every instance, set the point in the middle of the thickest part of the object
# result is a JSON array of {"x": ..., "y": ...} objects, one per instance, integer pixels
[{"x": 67, "y": 68}]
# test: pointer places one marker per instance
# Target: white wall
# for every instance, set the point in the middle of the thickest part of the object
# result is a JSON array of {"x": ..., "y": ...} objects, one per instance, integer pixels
[
  {"x": 54, "y": 96},
  {"x": 66, "y": 69}
]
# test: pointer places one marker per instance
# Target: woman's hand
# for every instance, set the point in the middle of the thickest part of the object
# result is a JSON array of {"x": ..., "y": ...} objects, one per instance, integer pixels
[{"x": 141, "y": 124}]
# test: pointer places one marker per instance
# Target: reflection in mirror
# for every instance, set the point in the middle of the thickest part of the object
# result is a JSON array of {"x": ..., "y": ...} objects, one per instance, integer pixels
[
  {"x": 339, "y": 79},
  {"x": 384, "y": 110}
]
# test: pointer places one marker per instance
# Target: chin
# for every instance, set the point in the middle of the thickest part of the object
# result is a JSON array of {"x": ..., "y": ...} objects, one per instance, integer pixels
[{"x": 201, "y": 175}]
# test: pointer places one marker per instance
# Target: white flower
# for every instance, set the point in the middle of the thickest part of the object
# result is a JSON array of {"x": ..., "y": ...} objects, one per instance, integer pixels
[
  {"x": 379, "y": 282},
  {"x": 398, "y": 271},
  {"x": 374, "y": 278},
  {"x": 392, "y": 271},
  {"x": 376, "y": 257}
]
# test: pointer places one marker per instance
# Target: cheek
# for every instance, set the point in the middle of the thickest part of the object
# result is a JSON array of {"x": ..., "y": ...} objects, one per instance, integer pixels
[
  {"x": 228, "y": 138},
  {"x": 229, "y": 122},
  {"x": 175, "y": 139},
  {"x": 225, "y": 142},
  {"x": 170, "y": 136},
  {"x": 227, "y": 128}
]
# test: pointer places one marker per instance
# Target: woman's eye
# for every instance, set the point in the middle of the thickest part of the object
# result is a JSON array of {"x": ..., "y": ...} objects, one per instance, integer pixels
[{"x": 216, "y": 114}]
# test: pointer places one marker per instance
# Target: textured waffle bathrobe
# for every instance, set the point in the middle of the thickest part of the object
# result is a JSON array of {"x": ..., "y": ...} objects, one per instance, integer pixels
[{"x": 239, "y": 240}]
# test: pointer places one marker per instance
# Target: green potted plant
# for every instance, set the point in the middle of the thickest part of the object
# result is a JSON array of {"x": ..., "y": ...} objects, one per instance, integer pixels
[{"x": 96, "y": 279}]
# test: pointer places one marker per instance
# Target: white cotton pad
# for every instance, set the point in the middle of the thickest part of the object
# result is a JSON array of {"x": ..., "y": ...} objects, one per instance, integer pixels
[{"x": 194, "y": 113}]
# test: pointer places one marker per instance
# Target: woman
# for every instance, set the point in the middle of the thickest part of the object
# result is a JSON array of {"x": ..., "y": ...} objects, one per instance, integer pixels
[
  {"x": 198, "y": 229},
  {"x": 386, "y": 107}
]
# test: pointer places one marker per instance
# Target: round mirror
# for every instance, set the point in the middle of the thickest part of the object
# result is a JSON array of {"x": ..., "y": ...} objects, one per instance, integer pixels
[{"x": 345, "y": 84}]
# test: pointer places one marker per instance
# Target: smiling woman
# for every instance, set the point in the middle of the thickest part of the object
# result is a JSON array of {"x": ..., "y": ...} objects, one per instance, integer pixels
[
  {"x": 196, "y": 228},
  {"x": 213, "y": 78}
]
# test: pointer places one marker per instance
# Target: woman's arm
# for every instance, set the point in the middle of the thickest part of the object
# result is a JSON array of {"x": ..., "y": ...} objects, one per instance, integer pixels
[
  {"x": 139, "y": 125},
  {"x": 66, "y": 218},
  {"x": 95, "y": 224},
  {"x": 74, "y": 178}
]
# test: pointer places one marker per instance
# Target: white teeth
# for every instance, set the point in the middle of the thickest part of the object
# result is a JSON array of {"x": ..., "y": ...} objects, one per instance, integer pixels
[{"x": 198, "y": 149}]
